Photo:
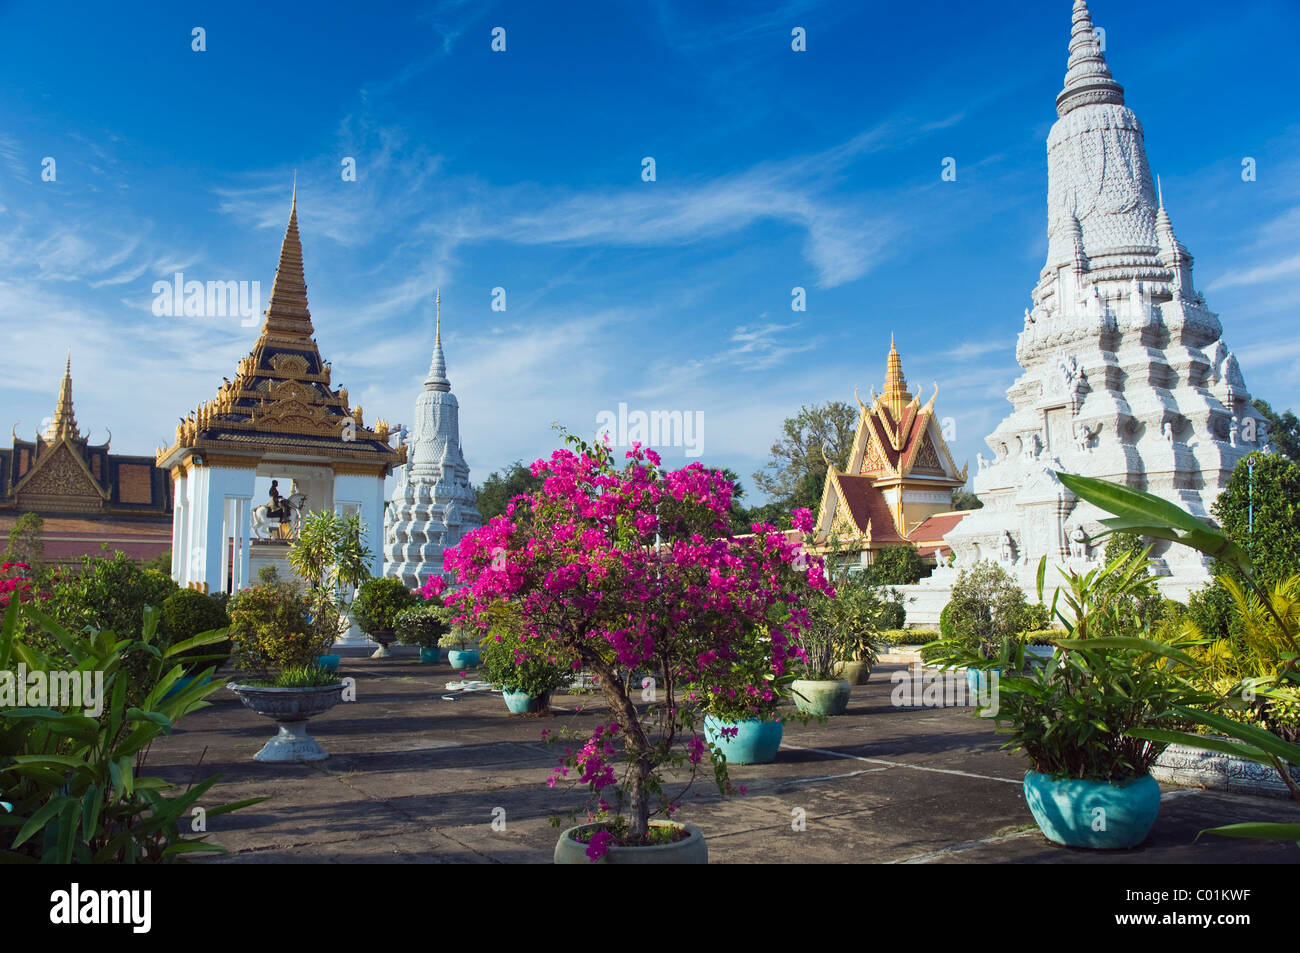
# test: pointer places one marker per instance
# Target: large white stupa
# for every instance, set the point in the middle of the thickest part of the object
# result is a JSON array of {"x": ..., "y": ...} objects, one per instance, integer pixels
[
  {"x": 433, "y": 506},
  {"x": 1126, "y": 374}
]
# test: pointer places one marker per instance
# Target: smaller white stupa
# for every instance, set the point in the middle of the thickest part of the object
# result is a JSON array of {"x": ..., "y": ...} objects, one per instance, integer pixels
[{"x": 433, "y": 505}]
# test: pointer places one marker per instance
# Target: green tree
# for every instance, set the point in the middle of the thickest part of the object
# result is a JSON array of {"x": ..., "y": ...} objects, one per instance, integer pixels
[
  {"x": 501, "y": 487},
  {"x": 796, "y": 472},
  {"x": 987, "y": 608},
  {"x": 1260, "y": 513},
  {"x": 963, "y": 499},
  {"x": 897, "y": 566},
  {"x": 1283, "y": 430}
]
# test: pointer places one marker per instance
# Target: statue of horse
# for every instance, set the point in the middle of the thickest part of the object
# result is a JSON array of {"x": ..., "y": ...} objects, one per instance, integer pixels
[{"x": 262, "y": 522}]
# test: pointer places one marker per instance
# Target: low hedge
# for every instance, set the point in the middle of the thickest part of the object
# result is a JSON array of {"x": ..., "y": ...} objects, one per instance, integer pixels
[{"x": 906, "y": 636}]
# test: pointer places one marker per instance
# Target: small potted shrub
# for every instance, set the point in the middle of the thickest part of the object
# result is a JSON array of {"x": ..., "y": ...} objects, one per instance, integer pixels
[
  {"x": 422, "y": 625},
  {"x": 983, "y": 622},
  {"x": 740, "y": 720},
  {"x": 462, "y": 647},
  {"x": 819, "y": 690},
  {"x": 277, "y": 646},
  {"x": 528, "y": 670},
  {"x": 376, "y": 607}
]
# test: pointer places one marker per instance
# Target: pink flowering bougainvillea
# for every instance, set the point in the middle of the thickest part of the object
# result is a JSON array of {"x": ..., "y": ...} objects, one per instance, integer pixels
[{"x": 634, "y": 569}]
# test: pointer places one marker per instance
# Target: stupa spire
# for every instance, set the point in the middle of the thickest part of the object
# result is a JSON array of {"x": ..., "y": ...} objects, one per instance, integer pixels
[
  {"x": 287, "y": 315},
  {"x": 437, "y": 379},
  {"x": 1087, "y": 78},
  {"x": 65, "y": 420}
]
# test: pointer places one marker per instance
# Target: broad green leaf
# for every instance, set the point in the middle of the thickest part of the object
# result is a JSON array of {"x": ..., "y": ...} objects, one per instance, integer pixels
[{"x": 1258, "y": 830}]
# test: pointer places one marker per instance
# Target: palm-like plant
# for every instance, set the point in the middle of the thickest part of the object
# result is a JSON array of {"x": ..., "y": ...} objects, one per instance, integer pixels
[{"x": 331, "y": 555}]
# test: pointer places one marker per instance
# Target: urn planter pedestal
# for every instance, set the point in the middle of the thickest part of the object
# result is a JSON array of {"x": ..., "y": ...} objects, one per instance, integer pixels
[
  {"x": 385, "y": 639},
  {"x": 291, "y": 707}
]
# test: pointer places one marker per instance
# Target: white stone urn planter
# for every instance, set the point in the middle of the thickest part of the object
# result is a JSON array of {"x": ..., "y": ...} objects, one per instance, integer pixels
[{"x": 291, "y": 707}]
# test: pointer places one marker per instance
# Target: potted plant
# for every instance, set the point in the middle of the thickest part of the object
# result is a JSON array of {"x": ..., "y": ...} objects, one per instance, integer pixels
[
  {"x": 634, "y": 568},
  {"x": 528, "y": 670},
  {"x": 376, "y": 607},
  {"x": 331, "y": 556},
  {"x": 276, "y": 644},
  {"x": 857, "y": 613},
  {"x": 818, "y": 689},
  {"x": 422, "y": 624},
  {"x": 1143, "y": 514},
  {"x": 740, "y": 719},
  {"x": 462, "y": 647},
  {"x": 1080, "y": 716}
]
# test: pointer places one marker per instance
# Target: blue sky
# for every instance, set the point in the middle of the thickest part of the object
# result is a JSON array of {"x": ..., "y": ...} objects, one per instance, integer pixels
[{"x": 522, "y": 170}]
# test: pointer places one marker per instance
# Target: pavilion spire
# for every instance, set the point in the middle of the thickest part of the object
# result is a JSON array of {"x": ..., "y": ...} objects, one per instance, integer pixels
[
  {"x": 896, "y": 396},
  {"x": 1087, "y": 78},
  {"x": 287, "y": 315},
  {"x": 65, "y": 420}
]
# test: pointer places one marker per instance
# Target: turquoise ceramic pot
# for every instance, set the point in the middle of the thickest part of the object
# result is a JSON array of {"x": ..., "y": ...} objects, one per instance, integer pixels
[
  {"x": 977, "y": 682},
  {"x": 521, "y": 703},
  {"x": 1097, "y": 814},
  {"x": 430, "y": 655},
  {"x": 756, "y": 741},
  {"x": 465, "y": 659},
  {"x": 329, "y": 662}
]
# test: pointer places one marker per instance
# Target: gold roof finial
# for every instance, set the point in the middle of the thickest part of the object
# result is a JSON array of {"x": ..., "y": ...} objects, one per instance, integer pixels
[
  {"x": 896, "y": 395},
  {"x": 287, "y": 313},
  {"x": 65, "y": 421}
]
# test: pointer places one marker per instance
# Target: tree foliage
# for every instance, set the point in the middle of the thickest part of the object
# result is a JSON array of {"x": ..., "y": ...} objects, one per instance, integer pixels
[
  {"x": 501, "y": 487},
  {"x": 1283, "y": 430},
  {"x": 897, "y": 566},
  {"x": 796, "y": 472}
]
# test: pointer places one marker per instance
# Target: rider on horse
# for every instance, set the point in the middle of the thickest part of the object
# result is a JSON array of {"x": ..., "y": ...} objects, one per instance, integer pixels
[{"x": 277, "y": 508}]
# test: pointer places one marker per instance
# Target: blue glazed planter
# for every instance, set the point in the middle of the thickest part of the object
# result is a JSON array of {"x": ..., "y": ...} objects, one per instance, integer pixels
[
  {"x": 756, "y": 741},
  {"x": 430, "y": 655},
  {"x": 977, "y": 683},
  {"x": 466, "y": 659},
  {"x": 1096, "y": 814},
  {"x": 329, "y": 662},
  {"x": 521, "y": 703}
]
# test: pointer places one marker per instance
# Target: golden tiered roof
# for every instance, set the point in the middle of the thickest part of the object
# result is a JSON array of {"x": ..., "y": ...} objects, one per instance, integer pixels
[
  {"x": 64, "y": 422},
  {"x": 899, "y": 447},
  {"x": 280, "y": 399}
]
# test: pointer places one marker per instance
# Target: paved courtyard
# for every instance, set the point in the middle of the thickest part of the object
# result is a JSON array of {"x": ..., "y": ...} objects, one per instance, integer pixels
[{"x": 414, "y": 778}]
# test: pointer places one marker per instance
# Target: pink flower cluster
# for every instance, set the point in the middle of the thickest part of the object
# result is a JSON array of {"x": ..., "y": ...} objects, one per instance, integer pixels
[{"x": 16, "y": 579}]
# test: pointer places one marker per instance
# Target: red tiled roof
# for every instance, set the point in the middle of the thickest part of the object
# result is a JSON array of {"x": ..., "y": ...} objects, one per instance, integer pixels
[
  {"x": 868, "y": 506},
  {"x": 937, "y": 527}
]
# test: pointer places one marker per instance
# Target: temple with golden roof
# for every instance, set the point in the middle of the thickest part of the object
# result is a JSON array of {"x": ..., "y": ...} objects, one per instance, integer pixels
[
  {"x": 898, "y": 485},
  {"x": 85, "y": 495},
  {"x": 279, "y": 417}
]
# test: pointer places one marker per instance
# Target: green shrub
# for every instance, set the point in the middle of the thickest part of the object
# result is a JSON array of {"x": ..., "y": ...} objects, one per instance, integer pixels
[
  {"x": 73, "y": 781},
  {"x": 271, "y": 629},
  {"x": 988, "y": 609},
  {"x": 188, "y": 612},
  {"x": 106, "y": 593},
  {"x": 532, "y": 667},
  {"x": 422, "y": 624},
  {"x": 378, "y": 603},
  {"x": 897, "y": 566},
  {"x": 908, "y": 636}
]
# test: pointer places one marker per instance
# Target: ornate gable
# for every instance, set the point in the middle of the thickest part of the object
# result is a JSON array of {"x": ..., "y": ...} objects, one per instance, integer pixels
[{"x": 60, "y": 479}]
